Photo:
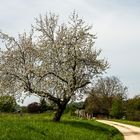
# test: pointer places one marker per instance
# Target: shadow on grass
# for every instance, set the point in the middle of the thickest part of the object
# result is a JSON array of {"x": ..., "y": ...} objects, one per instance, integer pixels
[
  {"x": 37, "y": 130},
  {"x": 95, "y": 127}
]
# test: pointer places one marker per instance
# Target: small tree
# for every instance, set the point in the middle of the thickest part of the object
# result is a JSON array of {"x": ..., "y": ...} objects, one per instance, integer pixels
[{"x": 55, "y": 61}]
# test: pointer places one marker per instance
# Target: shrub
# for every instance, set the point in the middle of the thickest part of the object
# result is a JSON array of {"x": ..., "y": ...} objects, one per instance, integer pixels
[
  {"x": 7, "y": 104},
  {"x": 33, "y": 107}
]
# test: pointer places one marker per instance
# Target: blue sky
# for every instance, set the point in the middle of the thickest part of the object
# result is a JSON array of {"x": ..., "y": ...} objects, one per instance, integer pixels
[{"x": 116, "y": 22}]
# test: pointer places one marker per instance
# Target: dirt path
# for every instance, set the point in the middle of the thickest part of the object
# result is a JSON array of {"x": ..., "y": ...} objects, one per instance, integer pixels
[{"x": 129, "y": 132}]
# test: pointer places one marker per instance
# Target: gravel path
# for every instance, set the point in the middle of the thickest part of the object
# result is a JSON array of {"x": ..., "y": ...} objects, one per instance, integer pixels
[{"x": 129, "y": 132}]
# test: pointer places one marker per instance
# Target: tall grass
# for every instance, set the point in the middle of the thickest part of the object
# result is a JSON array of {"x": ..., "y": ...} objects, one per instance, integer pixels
[
  {"x": 135, "y": 123},
  {"x": 40, "y": 127}
]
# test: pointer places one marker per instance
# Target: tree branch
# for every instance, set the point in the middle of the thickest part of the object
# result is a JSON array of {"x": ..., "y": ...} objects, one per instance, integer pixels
[
  {"x": 51, "y": 73},
  {"x": 16, "y": 76},
  {"x": 84, "y": 84},
  {"x": 46, "y": 94}
]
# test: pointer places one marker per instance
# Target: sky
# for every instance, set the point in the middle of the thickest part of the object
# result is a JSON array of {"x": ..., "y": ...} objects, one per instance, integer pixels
[{"x": 116, "y": 23}]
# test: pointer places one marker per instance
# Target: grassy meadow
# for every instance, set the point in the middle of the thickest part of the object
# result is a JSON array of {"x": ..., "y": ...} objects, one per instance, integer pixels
[
  {"x": 40, "y": 127},
  {"x": 135, "y": 123}
]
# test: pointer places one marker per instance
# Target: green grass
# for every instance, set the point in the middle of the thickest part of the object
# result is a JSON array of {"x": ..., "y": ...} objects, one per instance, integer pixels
[
  {"x": 40, "y": 127},
  {"x": 135, "y": 123}
]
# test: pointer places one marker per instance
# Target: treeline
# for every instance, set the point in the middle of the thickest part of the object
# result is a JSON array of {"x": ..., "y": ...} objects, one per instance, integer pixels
[
  {"x": 119, "y": 109},
  {"x": 132, "y": 111},
  {"x": 8, "y": 104},
  {"x": 108, "y": 99}
]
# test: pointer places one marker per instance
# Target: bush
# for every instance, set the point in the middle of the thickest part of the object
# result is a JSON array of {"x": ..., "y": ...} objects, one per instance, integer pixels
[
  {"x": 7, "y": 104},
  {"x": 33, "y": 107}
]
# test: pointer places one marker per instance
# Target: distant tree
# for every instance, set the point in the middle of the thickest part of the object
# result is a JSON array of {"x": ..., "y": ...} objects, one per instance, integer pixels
[
  {"x": 55, "y": 61},
  {"x": 33, "y": 107},
  {"x": 73, "y": 106},
  {"x": 133, "y": 108},
  {"x": 7, "y": 104},
  {"x": 77, "y": 105},
  {"x": 104, "y": 92},
  {"x": 93, "y": 104},
  {"x": 117, "y": 108}
]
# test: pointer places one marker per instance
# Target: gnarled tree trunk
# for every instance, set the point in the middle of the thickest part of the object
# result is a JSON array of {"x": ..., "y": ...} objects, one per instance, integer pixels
[{"x": 60, "y": 111}]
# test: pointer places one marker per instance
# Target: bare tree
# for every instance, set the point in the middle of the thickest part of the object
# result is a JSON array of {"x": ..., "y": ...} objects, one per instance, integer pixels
[
  {"x": 55, "y": 61},
  {"x": 110, "y": 87},
  {"x": 104, "y": 92}
]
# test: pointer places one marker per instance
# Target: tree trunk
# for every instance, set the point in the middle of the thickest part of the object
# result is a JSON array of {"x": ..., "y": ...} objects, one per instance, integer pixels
[{"x": 59, "y": 112}]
